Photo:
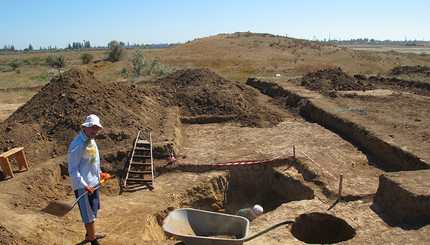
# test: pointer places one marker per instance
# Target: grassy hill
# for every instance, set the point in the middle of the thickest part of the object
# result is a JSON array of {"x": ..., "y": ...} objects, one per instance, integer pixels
[
  {"x": 241, "y": 55},
  {"x": 236, "y": 56}
]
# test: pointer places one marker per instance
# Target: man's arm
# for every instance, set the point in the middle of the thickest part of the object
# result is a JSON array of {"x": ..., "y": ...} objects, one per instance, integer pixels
[{"x": 74, "y": 157}]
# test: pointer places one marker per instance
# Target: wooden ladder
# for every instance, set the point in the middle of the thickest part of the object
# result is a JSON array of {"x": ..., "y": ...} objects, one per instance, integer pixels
[{"x": 141, "y": 166}]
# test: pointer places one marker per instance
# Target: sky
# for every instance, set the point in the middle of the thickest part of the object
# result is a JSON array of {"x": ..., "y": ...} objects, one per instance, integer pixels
[{"x": 44, "y": 23}]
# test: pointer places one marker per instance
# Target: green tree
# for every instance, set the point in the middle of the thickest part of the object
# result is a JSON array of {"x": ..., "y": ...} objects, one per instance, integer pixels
[
  {"x": 86, "y": 58},
  {"x": 116, "y": 51},
  {"x": 138, "y": 62}
]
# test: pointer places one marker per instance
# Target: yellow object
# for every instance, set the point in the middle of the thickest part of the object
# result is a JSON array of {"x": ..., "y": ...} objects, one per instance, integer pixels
[
  {"x": 91, "y": 150},
  {"x": 107, "y": 176}
]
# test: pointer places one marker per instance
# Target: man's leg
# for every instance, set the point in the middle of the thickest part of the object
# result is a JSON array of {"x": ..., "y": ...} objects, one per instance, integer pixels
[
  {"x": 91, "y": 230},
  {"x": 88, "y": 206}
]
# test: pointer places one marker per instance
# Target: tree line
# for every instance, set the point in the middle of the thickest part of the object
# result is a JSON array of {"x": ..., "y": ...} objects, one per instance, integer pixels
[
  {"x": 85, "y": 45},
  {"x": 140, "y": 65}
]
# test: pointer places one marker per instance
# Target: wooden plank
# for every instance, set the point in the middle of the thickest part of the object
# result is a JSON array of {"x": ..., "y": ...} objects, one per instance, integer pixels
[{"x": 11, "y": 152}]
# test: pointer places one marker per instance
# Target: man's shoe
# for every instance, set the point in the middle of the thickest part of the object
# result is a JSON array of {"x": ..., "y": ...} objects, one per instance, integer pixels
[
  {"x": 95, "y": 242},
  {"x": 99, "y": 235}
]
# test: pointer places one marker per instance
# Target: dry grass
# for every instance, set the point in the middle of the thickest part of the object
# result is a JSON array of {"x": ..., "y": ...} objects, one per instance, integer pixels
[
  {"x": 247, "y": 54},
  {"x": 17, "y": 87},
  {"x": 236, "y": 56}
]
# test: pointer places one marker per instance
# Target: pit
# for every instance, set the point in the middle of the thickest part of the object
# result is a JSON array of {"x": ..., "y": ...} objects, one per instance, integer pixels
[
  {"x": 321, "y": 228},
  {"x": 244, "y": 186},
  {"x": 263, "y": 185}
]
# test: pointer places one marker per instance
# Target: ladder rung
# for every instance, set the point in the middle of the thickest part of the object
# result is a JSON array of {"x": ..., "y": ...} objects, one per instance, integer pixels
[
  {"x": 139, "y": 172},
  {"x": 142, "y": 149},
  {"x": 141, "y": 163},
  {"x": 142, "y": 142},
  {"x": 141, "y": 156},
  {"x": 139, "y": 180}
]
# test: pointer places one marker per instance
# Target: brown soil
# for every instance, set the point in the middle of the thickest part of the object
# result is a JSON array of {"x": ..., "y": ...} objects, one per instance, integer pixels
[
  {"x": 399, "y": 70},
  {"x": 204, "y": 118},
  {"x": 327, "y": 80}
]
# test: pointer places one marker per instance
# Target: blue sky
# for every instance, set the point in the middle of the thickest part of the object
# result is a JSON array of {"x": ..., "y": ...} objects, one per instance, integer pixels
[{"x": 57, "y": 23}]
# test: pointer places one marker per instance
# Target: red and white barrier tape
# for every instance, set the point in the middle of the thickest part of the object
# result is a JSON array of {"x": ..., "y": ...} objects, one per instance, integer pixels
[
  {"x": 172, "y": 159},
  {"x": 319, "y": 165}
]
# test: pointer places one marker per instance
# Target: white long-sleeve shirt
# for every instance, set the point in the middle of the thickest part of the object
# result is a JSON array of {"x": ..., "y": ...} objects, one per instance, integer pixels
[{"x": 84, "y": 162}]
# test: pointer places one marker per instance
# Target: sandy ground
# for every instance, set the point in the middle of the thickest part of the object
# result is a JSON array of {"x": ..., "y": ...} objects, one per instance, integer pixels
[{"x": 134, "y": 217}]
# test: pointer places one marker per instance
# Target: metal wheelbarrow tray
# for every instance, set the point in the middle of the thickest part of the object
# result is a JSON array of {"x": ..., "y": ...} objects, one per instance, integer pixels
[{"x": 199, "y": 227}]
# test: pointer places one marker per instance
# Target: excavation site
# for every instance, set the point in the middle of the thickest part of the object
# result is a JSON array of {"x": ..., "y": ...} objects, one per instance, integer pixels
[{"x": 336, "y": 159}]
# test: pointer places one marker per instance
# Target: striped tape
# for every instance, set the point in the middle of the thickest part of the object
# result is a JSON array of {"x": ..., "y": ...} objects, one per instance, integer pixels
[
  {"x": 325, "y": 170},
  {"x": 172, "y": 159}
]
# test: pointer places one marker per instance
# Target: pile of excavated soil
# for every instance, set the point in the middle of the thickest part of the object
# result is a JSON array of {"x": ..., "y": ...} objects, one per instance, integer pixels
[
  {"x": 399, "y": 70},
  {"x": 49, "y": 121},
  {"x": 328, "y": 80},
  {"x": 201, "y": 93},
  {"x": 419, "y": 86}
]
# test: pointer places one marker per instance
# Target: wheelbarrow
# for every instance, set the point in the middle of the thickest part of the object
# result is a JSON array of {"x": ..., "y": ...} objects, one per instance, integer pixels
[{"x": 199, "y": 227}]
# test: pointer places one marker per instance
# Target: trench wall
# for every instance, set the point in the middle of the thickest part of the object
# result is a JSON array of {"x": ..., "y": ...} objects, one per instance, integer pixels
[
  {"x": 247, "y": 185},
  {"x": 392, "y": 156},
  {"x": 398, "y": 196}
]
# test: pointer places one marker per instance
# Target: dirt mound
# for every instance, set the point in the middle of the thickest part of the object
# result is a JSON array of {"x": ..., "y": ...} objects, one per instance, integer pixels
[
  {"x": 49, "y": 121},
  {"x": 401, "y": 85},
  {"x": 201, "y": 93},
  {"x": 327, "y": 80},
  {"x": 399, "y": 70}
]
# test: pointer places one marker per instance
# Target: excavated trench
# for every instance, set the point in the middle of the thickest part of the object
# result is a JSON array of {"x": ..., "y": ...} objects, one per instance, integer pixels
[
  {"x": 265, "y": 184},
  {"x": 244, "y": 186},
  {"x": 248, "y": 185},
  {"x": 392, "y": 157}
]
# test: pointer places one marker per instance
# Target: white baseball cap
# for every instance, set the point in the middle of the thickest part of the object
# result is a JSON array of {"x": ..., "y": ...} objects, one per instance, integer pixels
[
  {"x": 257, "y": 210},
  {"x": 92, "y": 120}
]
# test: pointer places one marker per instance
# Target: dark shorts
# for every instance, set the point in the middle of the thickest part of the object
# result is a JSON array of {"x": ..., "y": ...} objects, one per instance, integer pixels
[{"x": 88, "y": 205}]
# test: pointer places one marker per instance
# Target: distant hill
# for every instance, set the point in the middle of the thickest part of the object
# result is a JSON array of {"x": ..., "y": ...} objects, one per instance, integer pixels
[{"x": 244, "y": 54}]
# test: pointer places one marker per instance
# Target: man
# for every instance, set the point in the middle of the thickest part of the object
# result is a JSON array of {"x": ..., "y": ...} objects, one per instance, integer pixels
[
  {"x": 84, "y": 172},
  {"x": 251, "y": 213}
]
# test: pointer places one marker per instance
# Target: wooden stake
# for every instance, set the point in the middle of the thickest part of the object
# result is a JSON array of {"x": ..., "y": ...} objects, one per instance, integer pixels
[
  {"x": 340, "y": 187},
  {"x": 294, "y": 151}
]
